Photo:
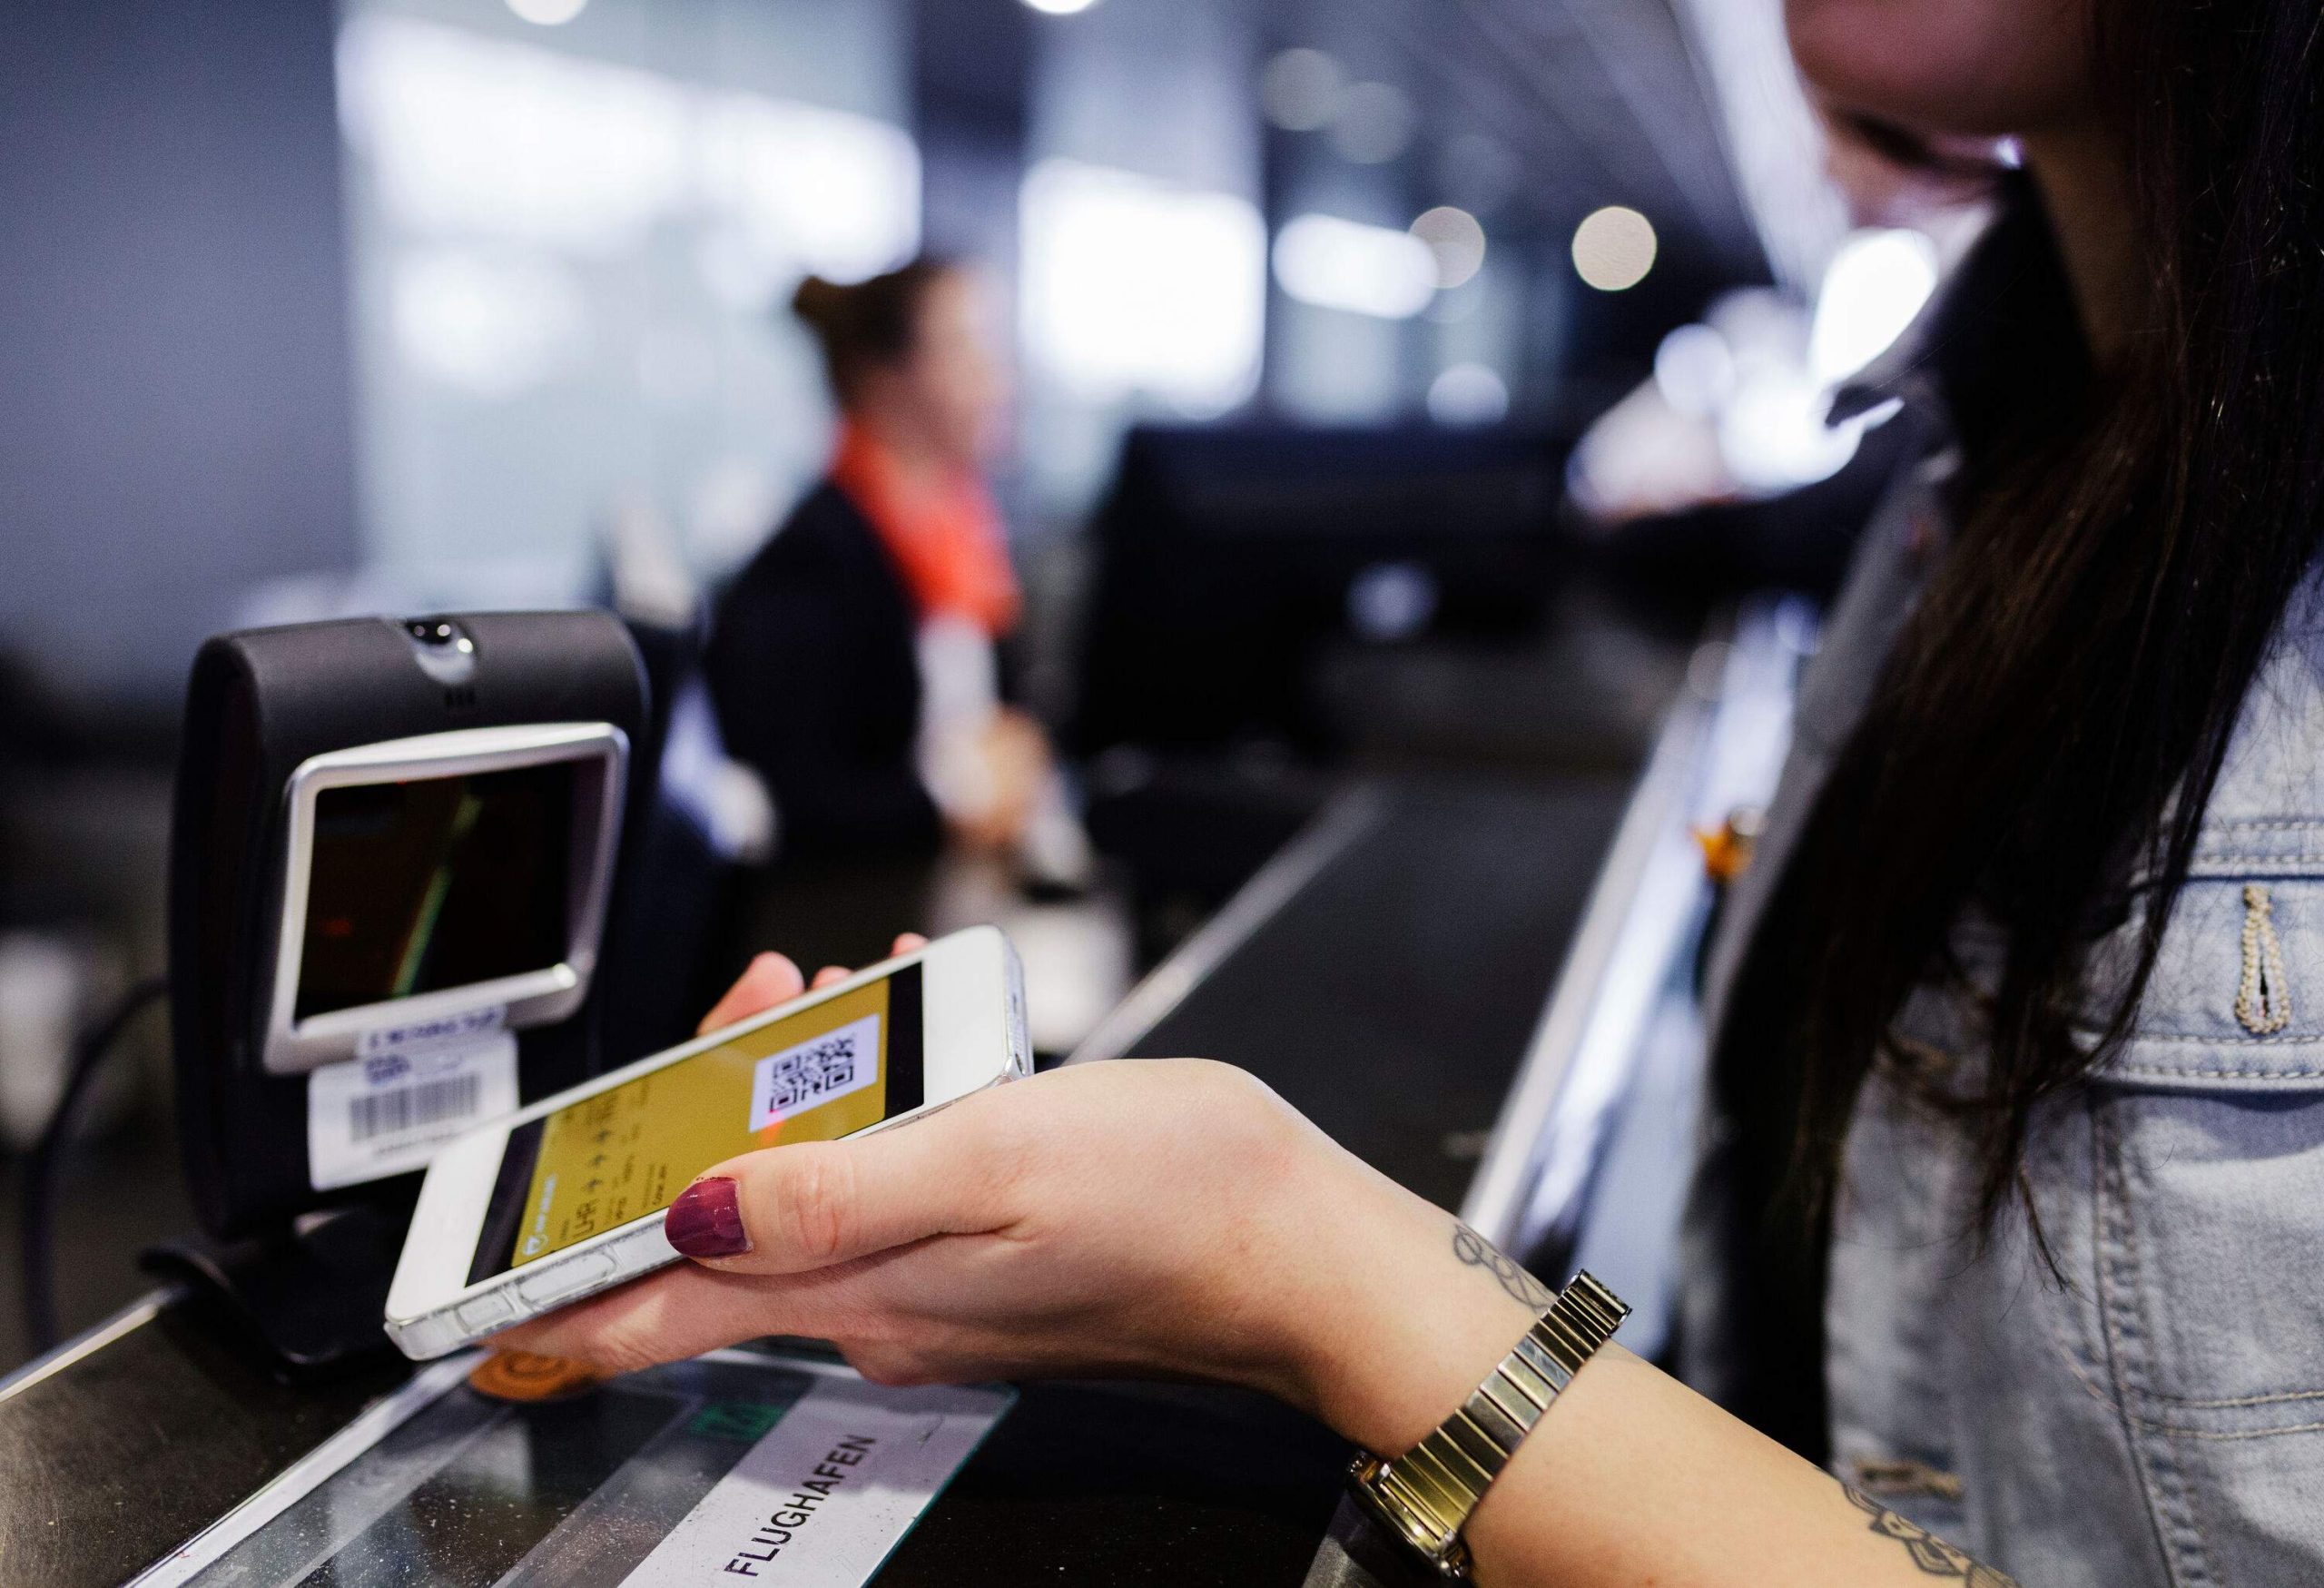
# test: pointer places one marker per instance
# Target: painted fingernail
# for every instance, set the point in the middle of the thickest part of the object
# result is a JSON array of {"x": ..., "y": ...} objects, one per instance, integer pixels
[{"x": 706, "y": 1220}]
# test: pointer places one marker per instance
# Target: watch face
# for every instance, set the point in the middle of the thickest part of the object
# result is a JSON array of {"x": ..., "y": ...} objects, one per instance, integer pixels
[{"x": 1446, "y": 1553}]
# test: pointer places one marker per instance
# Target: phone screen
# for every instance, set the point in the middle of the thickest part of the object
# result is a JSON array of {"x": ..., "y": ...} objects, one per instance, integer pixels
[{"x": 615, "y": 1157}]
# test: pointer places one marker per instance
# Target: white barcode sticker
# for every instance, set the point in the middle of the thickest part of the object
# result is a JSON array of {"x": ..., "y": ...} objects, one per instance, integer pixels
[
  {"x": 815, "y": 1071},
  {"x": 387, "y": 1112}
]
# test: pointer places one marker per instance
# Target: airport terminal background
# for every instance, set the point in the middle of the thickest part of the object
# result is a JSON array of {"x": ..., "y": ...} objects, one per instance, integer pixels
[{"x": 1405, "y": 389}]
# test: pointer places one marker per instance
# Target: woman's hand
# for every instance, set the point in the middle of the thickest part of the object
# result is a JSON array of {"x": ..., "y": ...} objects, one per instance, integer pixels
[
  {"x": 1014, "y": 765},
  {"x": 1166, "y": 1217},
  {"x": 1169, "y": 1218}
]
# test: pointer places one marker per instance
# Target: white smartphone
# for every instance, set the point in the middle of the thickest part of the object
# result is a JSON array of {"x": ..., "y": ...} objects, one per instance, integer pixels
[{"x": 564, "y": 1198}]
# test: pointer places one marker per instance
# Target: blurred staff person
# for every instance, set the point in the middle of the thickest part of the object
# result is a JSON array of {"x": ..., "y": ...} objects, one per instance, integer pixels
[
  {"x": 2016, "y": 1176},
  {"x": 854, "y": 660}
]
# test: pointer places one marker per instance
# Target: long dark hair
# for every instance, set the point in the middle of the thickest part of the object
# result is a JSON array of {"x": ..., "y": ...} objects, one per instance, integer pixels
[{"x": 2046, "y": 732}]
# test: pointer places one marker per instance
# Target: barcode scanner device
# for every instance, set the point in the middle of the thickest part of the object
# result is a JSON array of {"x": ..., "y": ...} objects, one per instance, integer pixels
[{"x": 392, "y": 852}]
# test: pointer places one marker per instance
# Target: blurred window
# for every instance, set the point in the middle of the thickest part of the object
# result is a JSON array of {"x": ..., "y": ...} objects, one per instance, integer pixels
[
  {"x": 1137, "y": 287},
  {"x": 566, "y": 266}
]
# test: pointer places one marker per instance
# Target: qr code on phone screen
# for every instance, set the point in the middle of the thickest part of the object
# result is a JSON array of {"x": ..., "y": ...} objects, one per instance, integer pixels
[
  {"x": 812, "y": 1071},
  {"x": 815, "y": 1071}
]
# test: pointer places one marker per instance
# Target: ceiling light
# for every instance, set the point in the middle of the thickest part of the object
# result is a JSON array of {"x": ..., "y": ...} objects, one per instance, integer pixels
[
  {"x": 548, "y": 13},
  {"x": 1468, "y": 394},
  {"x": 1613, "y": 248},
  {"x": 1456, "y": 240},
  {"x": 1345, "y": 264},
  {"x": 1061, "y": 7}
]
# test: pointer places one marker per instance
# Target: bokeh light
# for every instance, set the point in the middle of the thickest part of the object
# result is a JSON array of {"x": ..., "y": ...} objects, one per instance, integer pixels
[
  {"x": 1468, "y": 394},
  {"x": 1613, "y": 248},
  {"x": 548, "y": 13},
  {"x": 1133, "y": 285},
  {"x": 1457, "y": 241},
  {"x": 1333, "y": 263},
  {"x": 1694, "y": 369},
  {"x": 1873, "y": 288}
]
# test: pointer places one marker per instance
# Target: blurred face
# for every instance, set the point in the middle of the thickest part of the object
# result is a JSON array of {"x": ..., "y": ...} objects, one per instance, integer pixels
[
  {"x": 1968, "y": 67},
  {"x": 952, "y": 386}
]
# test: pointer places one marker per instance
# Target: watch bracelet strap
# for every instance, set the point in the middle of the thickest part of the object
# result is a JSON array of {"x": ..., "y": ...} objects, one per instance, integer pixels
[{"x": 1428, "y": 1492}]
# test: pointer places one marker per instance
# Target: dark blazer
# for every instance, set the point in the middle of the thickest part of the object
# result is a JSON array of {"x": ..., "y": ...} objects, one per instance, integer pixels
[{"x": 813, "y": 667}]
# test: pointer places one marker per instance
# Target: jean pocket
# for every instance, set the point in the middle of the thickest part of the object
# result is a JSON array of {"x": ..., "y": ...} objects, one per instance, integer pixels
[
  {"x": 2210, "y": 1296},
  {"x": 2211, "y": 1232},
  {"x": 2210, "y": 1150}
]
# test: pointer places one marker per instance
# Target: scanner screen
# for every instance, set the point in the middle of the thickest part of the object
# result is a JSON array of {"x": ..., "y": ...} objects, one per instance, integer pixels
[{"x": 434, "y": 883}]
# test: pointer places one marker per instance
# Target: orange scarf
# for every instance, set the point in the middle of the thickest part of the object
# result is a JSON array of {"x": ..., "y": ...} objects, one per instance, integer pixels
[{"x": 949, "y": 546}]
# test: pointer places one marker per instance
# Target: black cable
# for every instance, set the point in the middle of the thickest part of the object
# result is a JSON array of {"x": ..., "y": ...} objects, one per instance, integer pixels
[{"x": 42, "y": 1171}]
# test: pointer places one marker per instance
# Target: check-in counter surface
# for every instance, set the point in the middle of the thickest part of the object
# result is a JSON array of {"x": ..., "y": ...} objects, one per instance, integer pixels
[{"x": 1385, "y": 981}]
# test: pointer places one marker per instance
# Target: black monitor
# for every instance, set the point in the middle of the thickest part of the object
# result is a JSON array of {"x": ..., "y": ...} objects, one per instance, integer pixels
[{"x": 1229, "y": 556}]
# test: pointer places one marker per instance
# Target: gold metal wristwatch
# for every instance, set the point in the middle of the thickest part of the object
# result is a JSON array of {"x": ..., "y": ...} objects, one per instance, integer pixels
[{"x": 1425, "y": 1495}]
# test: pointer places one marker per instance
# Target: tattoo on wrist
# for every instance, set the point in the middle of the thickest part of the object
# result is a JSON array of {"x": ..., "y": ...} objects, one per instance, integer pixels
[
  {"x": 1477, "y": 1252},
  {"x": 1931, "y": 1554}
]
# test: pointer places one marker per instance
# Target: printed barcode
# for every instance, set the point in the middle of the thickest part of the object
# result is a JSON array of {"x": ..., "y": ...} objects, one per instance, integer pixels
[{"x": 409, "y": 1108}]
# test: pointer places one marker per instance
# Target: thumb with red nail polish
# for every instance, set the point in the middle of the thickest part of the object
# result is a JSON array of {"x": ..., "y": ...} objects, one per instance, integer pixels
[{"x": 706, "y": 1220}]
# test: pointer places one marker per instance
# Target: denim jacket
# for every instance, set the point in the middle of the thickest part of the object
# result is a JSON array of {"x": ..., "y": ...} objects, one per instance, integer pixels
[{"x": 2158, "y": 1418}]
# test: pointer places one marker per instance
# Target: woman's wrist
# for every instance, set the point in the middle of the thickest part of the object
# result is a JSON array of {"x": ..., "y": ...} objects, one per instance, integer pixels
[{"x": 1414, "y": 1312}]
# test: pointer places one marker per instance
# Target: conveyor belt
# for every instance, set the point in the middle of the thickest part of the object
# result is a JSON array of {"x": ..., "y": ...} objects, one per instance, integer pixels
[{"x": 1386, "y": 974}]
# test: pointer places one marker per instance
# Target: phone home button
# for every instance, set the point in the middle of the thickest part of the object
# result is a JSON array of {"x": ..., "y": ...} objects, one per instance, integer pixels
[
  {"x": 570, "y": 1279},
  {"x": 486, "y": 1312}
]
